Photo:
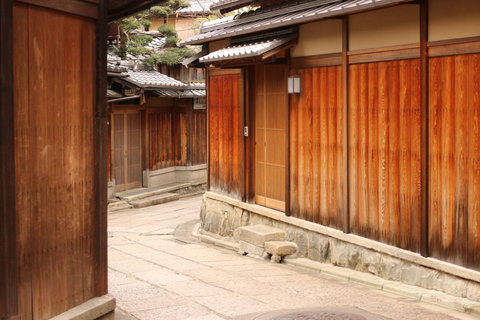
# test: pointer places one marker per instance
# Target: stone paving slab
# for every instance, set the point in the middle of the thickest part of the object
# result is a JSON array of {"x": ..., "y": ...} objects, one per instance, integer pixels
[{"x": 164, "y": 277}]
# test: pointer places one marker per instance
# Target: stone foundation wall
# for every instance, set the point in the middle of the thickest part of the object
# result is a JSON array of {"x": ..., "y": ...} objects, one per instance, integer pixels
[{"x": 223, "y": 216}]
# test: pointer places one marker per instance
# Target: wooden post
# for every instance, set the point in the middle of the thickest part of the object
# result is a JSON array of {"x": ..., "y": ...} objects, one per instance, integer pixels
[
  {"x": 101, "y": 271},
  {"x": 424, "y": 124},
  {"x": 190, "y": 141},
  {"x": 8, "y": 252},
  {"x": 346, "y": 196},
  {"x": 207, "y": 79},
  {"x": 288, "y": 195}
]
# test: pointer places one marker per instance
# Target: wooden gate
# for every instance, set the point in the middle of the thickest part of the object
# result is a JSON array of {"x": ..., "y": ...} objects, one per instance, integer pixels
[
  {"x": 127, "y": 151},
  {"x": 270, "y": 135}
]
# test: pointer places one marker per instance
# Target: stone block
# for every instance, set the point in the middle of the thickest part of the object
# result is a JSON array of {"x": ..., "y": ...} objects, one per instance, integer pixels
[
  {"x": 393, "y": 269},
  {"x": 338, "y": 253},
  {"x": 411, "y": 274},
  {"x": 280, "y": 248},
  {"x": 353, "y": 256},
  {"x": 473, "y": 291},
  {"x": 301, "y": 239},
  {"x": 259, "y": 234},
  {"x": 250, "y": 249}
]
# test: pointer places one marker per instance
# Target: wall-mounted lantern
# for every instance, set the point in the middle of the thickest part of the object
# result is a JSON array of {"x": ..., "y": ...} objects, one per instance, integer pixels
[{"x": 294, "y": 84}]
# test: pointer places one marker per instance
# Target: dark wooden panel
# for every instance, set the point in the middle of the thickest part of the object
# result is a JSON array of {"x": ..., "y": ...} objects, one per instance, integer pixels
[
  {"x": 167, "y": 137},
  {"x": 225, "y": 103},
  {"x": 79, "y": 8},
  {"x": 54, "y": 82},
  {"x": 384, "y": 149},
  {"x": 454, "y": 140},
  {"x": 316, "y": 144},
  {"x": 8, "y": 261},
  {"x": 199, "y": 137}
]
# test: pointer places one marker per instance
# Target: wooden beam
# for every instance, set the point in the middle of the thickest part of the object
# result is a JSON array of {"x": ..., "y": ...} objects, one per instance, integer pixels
[
  {"x": 79, "y": 8},
  {"x": 452, "y": 49},
  {"x": 8, "y": 252},
  {"x": 424, "y": 125},
  {"x": 101, "y": 267},
  {"x": 323, "y": 60},
  {"x": 346, "y": 197},
  {"x": 394, "y": 54}
]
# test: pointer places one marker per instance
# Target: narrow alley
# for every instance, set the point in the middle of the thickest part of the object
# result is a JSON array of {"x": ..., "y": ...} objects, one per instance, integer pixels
[{"x": 158, "y": 271}]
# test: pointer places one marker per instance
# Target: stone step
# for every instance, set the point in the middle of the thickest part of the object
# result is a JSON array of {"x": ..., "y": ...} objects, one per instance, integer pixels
[
  {"x": 118, "y": 205},
  {"x": 151, "y": 192},
  {"x": 158, "y": 199},
  {"x": 280, "y": 249},
  {"x": 259, "y": 234}
]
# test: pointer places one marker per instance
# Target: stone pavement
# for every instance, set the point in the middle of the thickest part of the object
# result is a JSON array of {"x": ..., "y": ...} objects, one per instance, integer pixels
[{"x": 157, "y": 271}]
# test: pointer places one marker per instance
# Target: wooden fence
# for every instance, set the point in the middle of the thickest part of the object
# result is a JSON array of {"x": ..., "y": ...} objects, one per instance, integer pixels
[
  {"x": 384, "y": 152},
  {"x": 454, "y": 159},
  {"x": 316, "y": 147},
  {"x": 199, "y": 137},
  {"x": 167, "y": 138}
]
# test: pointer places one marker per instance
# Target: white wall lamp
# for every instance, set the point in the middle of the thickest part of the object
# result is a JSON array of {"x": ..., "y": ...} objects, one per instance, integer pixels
[{"x": 294, "y": 84}]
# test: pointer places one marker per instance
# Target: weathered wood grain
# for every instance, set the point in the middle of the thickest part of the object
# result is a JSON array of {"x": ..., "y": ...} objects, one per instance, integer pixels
[
  {"x": 54, "y": 81},
  {"x": 316, "y": 144},
  {"x": 384, "y": 146},
  {"x": 226, "y": 147},
  {"x": 453, "y": 159}
]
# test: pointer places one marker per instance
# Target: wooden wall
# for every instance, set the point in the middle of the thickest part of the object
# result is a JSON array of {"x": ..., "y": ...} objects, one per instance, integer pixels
[
  {"x": 225, "y": 133},
  {"x": 316, "y": 147},
  {"x": 167, "y": 132},
  {"x": 454, "y": 159},
  {"x": 384, "y": 152},
  {"x": 55, "y": 100},
  {"x": 199, "y": 137}
]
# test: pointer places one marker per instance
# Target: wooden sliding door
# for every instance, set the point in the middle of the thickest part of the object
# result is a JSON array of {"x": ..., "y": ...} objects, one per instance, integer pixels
[
  {"x": 127, "y": 151},
  {"x": 270, "y": 134}
]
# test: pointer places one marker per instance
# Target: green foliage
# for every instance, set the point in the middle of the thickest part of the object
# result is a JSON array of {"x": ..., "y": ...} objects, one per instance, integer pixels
[
  {"x": 138, "y": 50},
  {"x": 171, "y": 56},
  {"x": 130, "y": 23},
  {"x": 178, "y": 4},
  {"x": 165, "y": 30},
  {"x": 159, "y": 12},
  {"x": 172, "y": 40},
  {"x": 140, "y": 40}
]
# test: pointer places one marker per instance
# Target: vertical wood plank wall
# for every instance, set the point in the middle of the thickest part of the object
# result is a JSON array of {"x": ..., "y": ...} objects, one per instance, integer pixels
[
  {"x": 384, "y": 147},
  {"x": 316, "y": 147},
  {"x": 167, "y": 137},
  {"x": 199, "y": 137},
  {"x": 54, "y": 81},
  {"x": 454, "y": 159},
  {"x": 226, "y": 134}
]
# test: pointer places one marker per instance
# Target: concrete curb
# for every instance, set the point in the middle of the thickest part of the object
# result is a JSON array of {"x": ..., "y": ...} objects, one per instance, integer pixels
[
  {"x": 412, "y": 292},
  {"x": 362, "y": 278},
  {"x": 197, "y": 233}
]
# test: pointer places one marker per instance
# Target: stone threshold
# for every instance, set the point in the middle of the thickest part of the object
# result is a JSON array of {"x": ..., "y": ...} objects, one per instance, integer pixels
[
  {"x": 358, "y": 277},
  {"x": 99, "y": 308},
  {"x": 392, "y": 251}
]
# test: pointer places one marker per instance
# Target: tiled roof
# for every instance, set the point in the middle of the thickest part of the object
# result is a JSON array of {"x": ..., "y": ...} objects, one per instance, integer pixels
[
  {"x": 197, "y": 6},
  {"x": 230, "y": 4},
  {"x": 152, "y": 79},
  {"x": 280, "y": 15},
  {"x": 250, "y": 49},
  {"x": 193, "y": 93},
  {"x": 113, "y": 94}
]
